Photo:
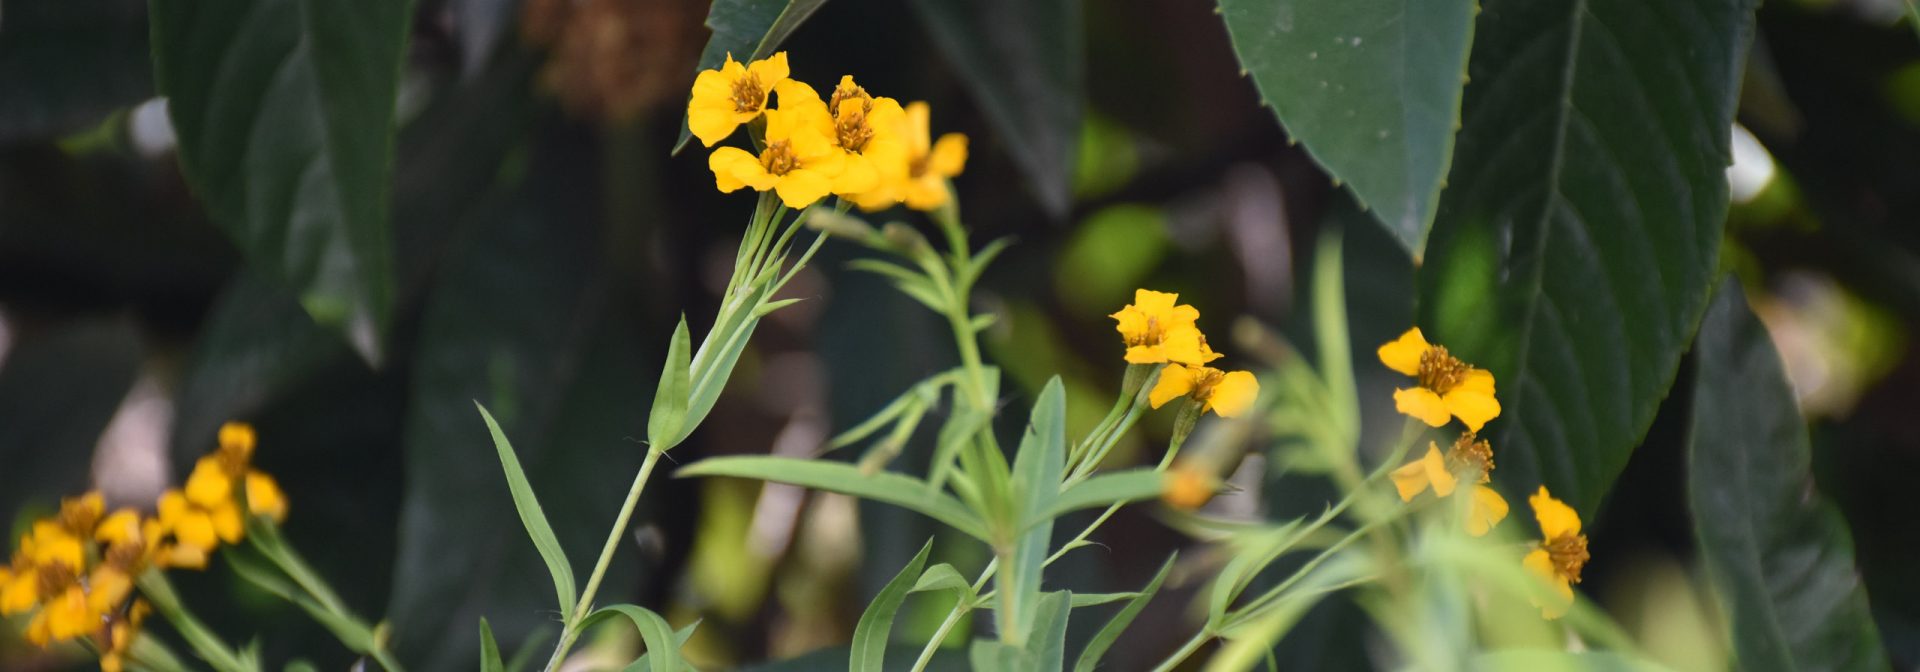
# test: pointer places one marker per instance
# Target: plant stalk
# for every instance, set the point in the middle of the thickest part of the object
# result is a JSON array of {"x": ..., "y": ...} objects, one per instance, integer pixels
[{"x": 571, "y": 632}]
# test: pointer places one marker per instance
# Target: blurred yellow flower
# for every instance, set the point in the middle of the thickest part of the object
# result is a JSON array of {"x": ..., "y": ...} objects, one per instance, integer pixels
[
  {"x": 732, "y": 95},
  {"x": 1227, "y": 394},
  {"x": 1560, "y": 556},
  {"x": 799, "y": 162},
  {"x": 1447, "y": 386},
  {"x": 120, "y": 635},
  {"x": 919, "y": 178},
  {"x": 208, "y": 511},
  {"x": 1469, "y": 455},
  {"x": 1188, "y": 487},
  {"x": 1156, "y": 330},
  {"x": 76, "y": 569}
]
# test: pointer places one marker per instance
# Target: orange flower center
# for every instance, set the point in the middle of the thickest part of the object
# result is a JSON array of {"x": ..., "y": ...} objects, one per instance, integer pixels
[
  {"x": 54, "y": 579},
  {"x": 1152, "y": 335},
  {"x": 851, "y": 129},
  {"x": 79, "y": 519},
  {"x": 779, "y": 158},
  {"x": 1440, "y": 371},
  {"x": 1471, "y": 452},
  {"x": 128, "y": 555},
  {"x": 748, "y": 94},
  {"x": 1205, "y": 378},
  {"x": 1569, "y": 554}
]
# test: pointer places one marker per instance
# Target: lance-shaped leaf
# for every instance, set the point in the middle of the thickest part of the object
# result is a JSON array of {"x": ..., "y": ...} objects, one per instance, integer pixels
[
  {"x": 876, "y": 624},
  {"x": 1778, "y": 552},
  {"x": 1371, "y": 89},
  {"x": 1577, "y": 238},
  {"x": 846, "y": 479},
  {"x": 284, "y": 113}
]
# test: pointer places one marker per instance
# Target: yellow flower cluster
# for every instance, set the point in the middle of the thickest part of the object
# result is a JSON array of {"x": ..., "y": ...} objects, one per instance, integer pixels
[
  {"x": 1156, "y": 330},
  {"x": 1448, "y": 388},
  {"x": 76, "y": 570},
  {"x": 866, "y": 149}
]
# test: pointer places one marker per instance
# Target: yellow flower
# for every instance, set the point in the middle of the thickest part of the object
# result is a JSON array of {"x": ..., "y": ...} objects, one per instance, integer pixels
[
  {"x": 1447, "y": 386},
  {"x": 1226, "y": 394},
  {"x": 919, "y": 179},
  {"x": 264, "y": 497},
  {"x": 1156, "y": 330},
  {"x": 1188, "y": 487},
  {"x": 1468, "y": 455},
  {"x": 869, "y": 130},
  {"x": 79, "y": 514},
  {"x": 120, "y": 635},
  {"x": 208, "y": 511},
  {"x": 799, "y": 162},
  {"x": 1560, "y": 556},
  {"x": 734, "y": 94}
]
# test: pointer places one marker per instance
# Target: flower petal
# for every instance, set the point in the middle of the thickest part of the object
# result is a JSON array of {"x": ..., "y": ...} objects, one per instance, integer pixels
[
  {"x": 800, "y": 188},
  {"x": 771, "y": 71},
  {"x": 728, "y": 163},
  {"x": 1552, "y": 604},
  {"x": 1421, "y": 403},
  {"x": 1234, "y": 394},
  {"x": 1472, "y": 407},
  {"x": 1555, "y": 517},
  {"x": 1436, "y": 468},
  {"x": 1175, "y": 381},
  {"x": 949, "y": 155},
  {"x": 710, "y": 124},
  {"x": 1404, "y": 353},
  {"x": 1410, "y": 479},
  {"x": 1487, "y": 510}
]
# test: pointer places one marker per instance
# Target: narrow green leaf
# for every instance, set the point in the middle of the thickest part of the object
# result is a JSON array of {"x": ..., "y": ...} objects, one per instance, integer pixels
[
  {"x": 749, "y": 30},
  {"x": 255, "y": 569},
  {"x": 1078, "y": 600},
  {"x": 663, "y": 645},
  {"x": 1037, "y": 470},
  {"x": 1330, "y": 332},
  {"x": 844, "y": 478},
  {"x": 1047, "y": 643},
  {"x": 942, "y": 577},
  {"x": 532, "y": 517},
  {"x": 1025, "y": 63},
  {"x": 1544, "y": 660},
  {"x": 284, "y": 112},
  {"x": 1371, "y": 89},
  {"x": 670, "y": 399},
  {"x": 1580, "y": 230},
  {"x": 680, "y": 638},
  {"x": 1778, "y": 552},
  {"x": 1110, "y": 633},
  {"x": 489, "y": 650},
  {"x": 1251, "y": 555},
  {"x": 876, "y": 623},
  {"x": 767, "y": 308},
  {"x": 1105, "y": 489}
]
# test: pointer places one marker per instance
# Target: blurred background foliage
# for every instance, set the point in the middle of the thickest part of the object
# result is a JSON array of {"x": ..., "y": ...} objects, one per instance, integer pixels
[{"x": 526, "y": 238}]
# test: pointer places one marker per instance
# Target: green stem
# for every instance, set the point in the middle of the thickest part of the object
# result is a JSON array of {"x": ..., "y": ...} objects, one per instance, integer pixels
[
  {"x": 570, "y": 631},
  {"x": 960, "y": 608},
  {"x": 206, "y": 644},
  {"x": 1187, "y": 649}
]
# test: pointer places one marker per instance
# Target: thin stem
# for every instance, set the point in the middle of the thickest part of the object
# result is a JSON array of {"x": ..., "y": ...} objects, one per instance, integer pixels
[
  {"x": 960, "y": 608},
  {"x": 1187, "y": 649},
  {"x": 571, "y": 631},
  {"x": 205, "y": 644}
]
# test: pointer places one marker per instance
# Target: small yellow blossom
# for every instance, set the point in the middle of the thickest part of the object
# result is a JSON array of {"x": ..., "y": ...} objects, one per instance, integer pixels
[
  {"x": 920, "y": 179},
  {"x": 1469, "y": 455},
  {"x": 120, "y": 635},
  {"x": 868, "y": 129},
  {"x": 1560, "y": 556},
  {"x": 1188, "y": 487},
  {"x": 208, "y": 511},
  {"x": 1156, "y": 330},
  {"x": 1447, "y": 386},
  {"x": 799, "y": 162},
  {"x": 732, "y": 95},
  {"x": 1227, "y": 394}
]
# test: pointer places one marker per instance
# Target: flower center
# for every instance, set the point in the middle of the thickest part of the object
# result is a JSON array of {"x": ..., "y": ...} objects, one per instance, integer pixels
[
  {"x": 1569, "y": 554},
  {"x": 748, "y": 95},
  {"x": 127, "y": 555},
  {"x": 851, "y": 129},
  {"x": 54, "y": 579},
  {"x": 778, "y": 159},
  {"x": 1152, "y": 335},
  {"x": 1440, "y": 371},
  {"x": 1204, "y": 380},
  {"x": 1471, "y": 452}
]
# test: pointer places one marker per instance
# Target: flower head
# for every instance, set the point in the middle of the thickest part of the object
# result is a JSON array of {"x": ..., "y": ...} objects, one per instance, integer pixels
[
  {"x": 732, "y": 95},
  {"x": 1469, "y": 456},
  {"x": 918, "y": 175},
  {"x": 1157, "y": 330},
  {"x": 75, "y": 571},
  {"x": 1561, "y": 554},
  {"x": 209, "y": 510},
  {"x": 799, "y": 161},
  {"x": 1446, "y": 387},
  {"x": 1188, "y": 487},
  {"x": 1227, "y": 394}
]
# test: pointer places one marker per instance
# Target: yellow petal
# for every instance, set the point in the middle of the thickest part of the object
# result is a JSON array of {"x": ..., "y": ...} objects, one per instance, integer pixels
[
  {"x": 1183, "y": 344},
  {"x": 711, "y": 86},
  {"x": 727, "y": 163},
  {"x": 1421, "y": 403},
  {"x": 1234, "y": 394},
  {"x": 949, "y": 155},
  {"x": 927, "y": 193},
  {"x": 120, "y": 527},
  {"x": 1154, "y": 303},
  {"x": 183, "y": 556},
  {"x": 800, "y": 107},
  {"x": 1404, "y": 353},
  {"x": 238, "y": 438},
  {"x": 107, "y": 586},
  {"x": 173, "y": 508},
  {"x": 1175, "y": 381},
  {"x": 711, "y": 124},
  {"x": 1472, "y": 407},
  {"x": 858, "y": 176},
  {"x": 208, "y": 485},
  {"x": 1187, "y": 488},
  {"x": 1436, "y": 468},
  {"x": 1558, "y": 596},
  {"x": 771, "y": 71},
  {"x": 264, "y": 497},
  {"x": 919, "y": 141},
  {"x": 1555, "y": 517},
  {"x": 1478, "y": 381},
  {"x": 1146, "y": 354},
  {"x": 800, "y": 188},
  {"x": 195, "y": 529},
  {"x": 1130, "y": 322},
  {"x": 1410, "y": 479},
  {"x": 19, "y": 593},
  {"x": 1487, "y": 510},
  {"x": 228, "y": 523}
]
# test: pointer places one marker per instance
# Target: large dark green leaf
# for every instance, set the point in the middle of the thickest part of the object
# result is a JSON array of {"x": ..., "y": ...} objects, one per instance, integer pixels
[
  {"x": 748, "y": 30},
  {"x": 1025, "y": 62},
  {"x": 1372, "y": 89},
  {"x": 65, "y": 64},
  {"x": 1778, "y": 552},
  {"x": 520, "y": 321},
  {"x": 1574, "y": 247},
  {"x": 284, "y": 113}
]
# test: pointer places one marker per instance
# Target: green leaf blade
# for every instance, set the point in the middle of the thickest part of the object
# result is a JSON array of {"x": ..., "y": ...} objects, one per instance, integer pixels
[
  {"x": 533, "y": 517},
  {"x": 846, "y": 479},
  {"x": 1780, "y": 556},
  {"x": 1037, "y": 470},
  {"x": 669, "y": 414},
  {"x": 663, "y": 644},
  {"x": 284, "y": 113},
  {"x": 1110, "y": 633},
  {"x": 1578, "y": 236},
  {"x": 489, "y": 650},
  {"x": 1106, "y": 489},
  {"x": 876, "y": 623},
  {"x": 1371, "y": 89}
]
